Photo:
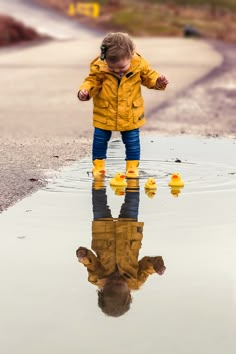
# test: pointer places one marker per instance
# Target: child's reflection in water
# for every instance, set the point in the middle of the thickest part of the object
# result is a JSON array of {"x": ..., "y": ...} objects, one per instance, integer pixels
[{"x": 115, "y": 268}]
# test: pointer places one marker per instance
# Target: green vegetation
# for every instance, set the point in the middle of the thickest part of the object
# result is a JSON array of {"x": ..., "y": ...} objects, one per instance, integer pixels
[
  {"x": 214, "y": 19},
  {"x": 218, "y": 4},
  {"x": 213, "y": 4}
]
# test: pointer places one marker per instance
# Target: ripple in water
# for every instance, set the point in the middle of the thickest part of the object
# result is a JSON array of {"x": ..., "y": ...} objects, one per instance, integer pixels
[{"x": 205, "y": 164}]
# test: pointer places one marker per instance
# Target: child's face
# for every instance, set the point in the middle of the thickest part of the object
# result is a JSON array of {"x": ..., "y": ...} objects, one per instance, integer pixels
[{"x": 119, "y": 67}]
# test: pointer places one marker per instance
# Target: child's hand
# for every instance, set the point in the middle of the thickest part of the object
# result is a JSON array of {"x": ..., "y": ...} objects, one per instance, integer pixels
[
  {"x": 161, "y": 270},
  {"x": 162, "y": 82},
  {"x": 83, "y": 95},
  {"x": 159, "y": 265},
  {"x": 81, "y": 253}
]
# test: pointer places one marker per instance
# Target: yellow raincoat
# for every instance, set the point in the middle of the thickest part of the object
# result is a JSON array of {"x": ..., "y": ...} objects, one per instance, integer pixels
[
  {"x": 117, "y": 243},
  {"x": 117, "y": 102}
]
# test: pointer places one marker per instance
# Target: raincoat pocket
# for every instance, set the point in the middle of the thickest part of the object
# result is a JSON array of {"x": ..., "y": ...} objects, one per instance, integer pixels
[
  {"x": 138, "y": 109},
  {"x": 100, "y": 110},
  {"x": 138, "y": 102}
]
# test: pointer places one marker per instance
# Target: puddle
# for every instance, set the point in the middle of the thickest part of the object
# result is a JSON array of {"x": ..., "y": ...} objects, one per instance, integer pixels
[{"x": 47, "y": 303}]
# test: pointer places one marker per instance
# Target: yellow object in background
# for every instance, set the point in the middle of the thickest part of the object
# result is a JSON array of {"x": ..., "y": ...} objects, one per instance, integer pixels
[
  {"x": 71, "y": 10},
  {"x": 90, "y": 9}
]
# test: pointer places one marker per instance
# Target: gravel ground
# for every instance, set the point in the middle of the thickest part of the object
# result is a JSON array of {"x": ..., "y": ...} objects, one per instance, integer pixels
[{"x": 25, "y": 165}]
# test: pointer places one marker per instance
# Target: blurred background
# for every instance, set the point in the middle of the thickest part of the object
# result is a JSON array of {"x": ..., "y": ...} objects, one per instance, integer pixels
[{"x": 211, "y": 19}]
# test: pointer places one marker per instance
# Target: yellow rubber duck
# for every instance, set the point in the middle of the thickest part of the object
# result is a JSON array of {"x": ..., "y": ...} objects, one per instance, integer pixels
[
  {"x": 120, "y": 191},
  {"x": 176, "y": 180},
  {"x": 150, "y": 193},
  {"x": 118, "y": 180},
  {"x": 150, "y": 183},
  {"x": 175, "y": 191}
]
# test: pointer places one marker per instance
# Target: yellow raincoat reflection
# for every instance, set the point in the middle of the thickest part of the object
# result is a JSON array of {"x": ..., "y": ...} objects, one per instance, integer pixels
[{"x": 114, "y": 266}]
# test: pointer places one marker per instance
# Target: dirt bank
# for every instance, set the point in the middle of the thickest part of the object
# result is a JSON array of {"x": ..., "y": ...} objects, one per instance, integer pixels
[{"x": 13, "y": 31}]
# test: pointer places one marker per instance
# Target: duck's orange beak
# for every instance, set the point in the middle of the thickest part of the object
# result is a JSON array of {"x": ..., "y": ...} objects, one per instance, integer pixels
[{"x": 122, "y": 176}]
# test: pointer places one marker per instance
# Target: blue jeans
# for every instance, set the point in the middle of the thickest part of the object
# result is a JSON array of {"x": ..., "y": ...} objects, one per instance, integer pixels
[
  {"x": 101, "y": 210},
  {"x": 130, "y": 138}
]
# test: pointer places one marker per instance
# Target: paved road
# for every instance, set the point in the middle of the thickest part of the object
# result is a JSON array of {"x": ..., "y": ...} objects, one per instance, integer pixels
[
  {"x": 43, "y": 126},
  {"x": 43, "y": 20},
  {"x": 206, "y": 107}
]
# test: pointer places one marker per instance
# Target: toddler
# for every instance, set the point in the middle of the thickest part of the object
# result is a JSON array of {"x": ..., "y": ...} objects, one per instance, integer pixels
[{"x": 114, "y": 83}]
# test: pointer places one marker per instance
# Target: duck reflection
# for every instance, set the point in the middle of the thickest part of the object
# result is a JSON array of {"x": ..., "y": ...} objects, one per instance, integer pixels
[{"x": 114, "y": 267}]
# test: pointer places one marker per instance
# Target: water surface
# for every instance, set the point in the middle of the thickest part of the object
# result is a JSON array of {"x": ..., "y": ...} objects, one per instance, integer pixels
[{"x": 47, "y": 304}]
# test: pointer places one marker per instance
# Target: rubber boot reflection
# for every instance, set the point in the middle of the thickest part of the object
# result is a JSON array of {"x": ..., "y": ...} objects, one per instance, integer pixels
[{"x": 115, "y": 269}]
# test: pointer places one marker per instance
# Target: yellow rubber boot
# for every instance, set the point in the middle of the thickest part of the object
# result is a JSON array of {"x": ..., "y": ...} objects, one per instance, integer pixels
[
  {"x": 98, "y": 168},
  {"x": 132, "y": 185},
  {"x": 99, "y": 183},
  {"x": 132, "y": 169}
]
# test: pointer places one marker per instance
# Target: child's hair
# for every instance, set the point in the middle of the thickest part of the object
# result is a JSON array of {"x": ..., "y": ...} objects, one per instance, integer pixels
[
  {"x": 114, "y": 304},
  {"x": 117, "y": 46}
]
